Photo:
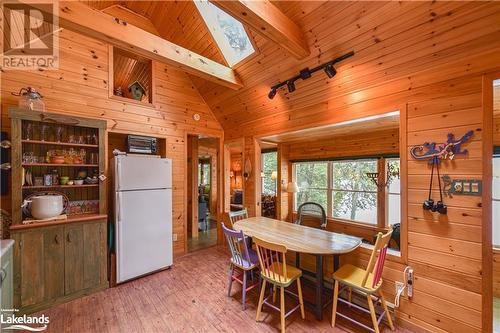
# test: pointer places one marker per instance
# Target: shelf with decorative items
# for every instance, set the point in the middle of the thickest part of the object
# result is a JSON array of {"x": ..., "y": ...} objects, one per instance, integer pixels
[{"x": 59, "y": 198}]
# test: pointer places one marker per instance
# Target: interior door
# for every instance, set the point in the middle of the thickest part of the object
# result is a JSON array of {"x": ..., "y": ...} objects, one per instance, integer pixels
[{"x": 144, "y": 232}]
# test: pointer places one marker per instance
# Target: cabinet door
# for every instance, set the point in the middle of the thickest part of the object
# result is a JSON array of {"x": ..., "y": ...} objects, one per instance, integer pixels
[
  {"x": 28, "y": 268},
  {"x": 73, "y": 258},
  {"x": 94, "y": 240},
  {"x": 53, "y": 242}
]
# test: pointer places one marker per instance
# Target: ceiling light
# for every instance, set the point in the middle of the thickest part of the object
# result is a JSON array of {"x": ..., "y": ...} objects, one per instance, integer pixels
[
  {"x": 330, "y": 71},
  {"x": 291, "y": 86},
  {"x": 272, "y": 93}
]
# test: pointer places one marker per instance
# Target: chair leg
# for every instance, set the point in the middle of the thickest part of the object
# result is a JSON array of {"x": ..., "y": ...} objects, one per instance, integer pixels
[
  {"x": 231, "y": 272},
  {"x": 297, "y": 259},
  {"x": 301, "y": 301},
  {"x": 274, "y": 293},
  {"x": 335, "y": 300},
  {"x": 373, "y": 314},
  {"x": 244, "y": 291},
  {"x": 282, "y": 307},
  {"x": 388, "y": 315},
  {"x": 349, "y": 295},
  {"x": 261, "y": 299}
]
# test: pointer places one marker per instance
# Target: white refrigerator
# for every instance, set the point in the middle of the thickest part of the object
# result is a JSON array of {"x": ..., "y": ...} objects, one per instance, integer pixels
[{"x": 143, "y": 215}]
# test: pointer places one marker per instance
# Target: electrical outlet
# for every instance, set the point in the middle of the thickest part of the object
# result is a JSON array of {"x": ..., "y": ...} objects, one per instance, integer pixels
[
  {"x": 174, "y": 237},
  {"x": 399, "y": 286}
]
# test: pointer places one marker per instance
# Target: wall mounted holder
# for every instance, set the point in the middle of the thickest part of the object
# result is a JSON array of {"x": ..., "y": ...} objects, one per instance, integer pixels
[
  {"x": 448, "y": 150},
  {"x": 452, "y": 187}
]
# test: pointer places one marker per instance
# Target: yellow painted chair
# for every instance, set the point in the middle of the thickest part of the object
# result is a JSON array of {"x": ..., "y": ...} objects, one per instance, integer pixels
[
  {"x": 274, "y": 270},
  {"x": 366, "y": 282}
]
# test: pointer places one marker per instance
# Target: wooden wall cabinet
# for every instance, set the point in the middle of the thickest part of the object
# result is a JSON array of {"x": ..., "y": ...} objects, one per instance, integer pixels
[{"x": 58, "y": 260}]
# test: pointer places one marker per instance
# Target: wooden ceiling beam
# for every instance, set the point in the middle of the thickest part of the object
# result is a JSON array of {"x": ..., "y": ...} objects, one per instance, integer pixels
[
  {"x": 80, "y": 18},
  {"x": 266, "y": 19}
]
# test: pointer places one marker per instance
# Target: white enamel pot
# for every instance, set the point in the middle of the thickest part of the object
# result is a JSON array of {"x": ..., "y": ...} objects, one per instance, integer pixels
[{"x": 46, "y": 206}]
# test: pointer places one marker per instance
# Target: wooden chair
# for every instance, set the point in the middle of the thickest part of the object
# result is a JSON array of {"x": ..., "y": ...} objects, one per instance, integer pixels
[
  {"x": 367, "y": 282},
  {"x": 243, "y": 258},
  {"x": 310, "y": 214},
  {"x": 237, "y": 215},
  {"x": 273, "y": 269}
]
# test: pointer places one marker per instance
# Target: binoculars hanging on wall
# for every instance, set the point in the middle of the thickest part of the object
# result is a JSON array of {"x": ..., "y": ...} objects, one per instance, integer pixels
[
  {"x": 439, "y": 206},
  {"x": 429, "y": 204}
]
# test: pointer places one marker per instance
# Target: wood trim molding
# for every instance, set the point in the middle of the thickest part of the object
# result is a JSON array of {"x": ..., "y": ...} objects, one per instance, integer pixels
[
  {"x": 487, "y": 247},
  {"x": 79, "y": 17},
  {"x": 266, "y": 19}
]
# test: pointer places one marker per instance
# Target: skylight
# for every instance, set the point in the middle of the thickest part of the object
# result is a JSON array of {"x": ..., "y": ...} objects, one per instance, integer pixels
[{"x": 229, "y": 33}]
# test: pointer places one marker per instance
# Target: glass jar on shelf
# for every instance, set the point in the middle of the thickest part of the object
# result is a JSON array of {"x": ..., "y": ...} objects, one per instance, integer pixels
[{"x": 55, "y": 177}]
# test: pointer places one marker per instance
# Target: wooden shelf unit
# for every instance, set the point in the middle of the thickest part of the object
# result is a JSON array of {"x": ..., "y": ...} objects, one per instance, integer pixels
[
  {"x": 57, "y": 260},
  {"x": 62, "y": 144}
]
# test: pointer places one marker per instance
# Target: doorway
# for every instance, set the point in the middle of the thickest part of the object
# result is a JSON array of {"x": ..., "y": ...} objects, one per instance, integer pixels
[{"x": 202, "y": 196}]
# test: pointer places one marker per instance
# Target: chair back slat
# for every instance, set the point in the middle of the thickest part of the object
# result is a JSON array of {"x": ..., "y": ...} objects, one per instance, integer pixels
[
  {"x": 272, "y": 260},
  {"x": 237, "y": 245},
  {"x": 377, "y": 258},
  {"x": 237, "y": 216},
  {"x": 311, "y": 214}
]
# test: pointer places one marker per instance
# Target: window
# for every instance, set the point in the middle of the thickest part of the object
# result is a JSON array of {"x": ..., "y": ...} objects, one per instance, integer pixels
[
  {"x": 312, "y": 179},
  {"x": 393, "y": 193},
  {"x": 345, "y": 191},
  {"x": 229, "y": 33},
  {"x": 269, "y": 170},
  {"x": 354, "y": 195},
  {"x": 496, "y": 200},
  {"x": 204, "y": 172}
]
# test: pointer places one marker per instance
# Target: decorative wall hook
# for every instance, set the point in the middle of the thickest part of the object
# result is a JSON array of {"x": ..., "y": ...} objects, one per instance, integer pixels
[{"x": 443, "y": 151}]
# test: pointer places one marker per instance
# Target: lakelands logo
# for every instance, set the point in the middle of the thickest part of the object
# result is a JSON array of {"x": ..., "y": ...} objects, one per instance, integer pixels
[
  {"x": 31, "y": 35},
  {"x": 27, "y": 323}
]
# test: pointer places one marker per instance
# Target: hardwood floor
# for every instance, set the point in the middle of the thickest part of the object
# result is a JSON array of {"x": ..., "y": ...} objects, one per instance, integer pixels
[{"x": 190, "y": 297}]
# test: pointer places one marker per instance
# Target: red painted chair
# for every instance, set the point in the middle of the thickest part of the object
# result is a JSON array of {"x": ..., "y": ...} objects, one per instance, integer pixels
[{"x": 366, "y": 282}]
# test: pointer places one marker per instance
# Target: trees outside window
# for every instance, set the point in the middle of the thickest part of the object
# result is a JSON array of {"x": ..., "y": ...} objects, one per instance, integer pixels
[
  {"x": 269, "y": 165},
  {"x": 345, "y": 191}
]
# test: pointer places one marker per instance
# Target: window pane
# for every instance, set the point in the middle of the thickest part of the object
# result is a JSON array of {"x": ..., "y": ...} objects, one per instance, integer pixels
[
  {"x": 496, "y": 223},
  {"x": 311, "y": 175},
  {"x": 393, "y": 209},
  {"x": 395, "y": 184},
  {"x": 229, "y": 33},
  {"x": 317, "y": 196},
  {"x": 351, "y": 175},
  {"x": 356, "y": 206},
  {"x": 496, "y": 178},
  {"x": 269, "y": 165}
]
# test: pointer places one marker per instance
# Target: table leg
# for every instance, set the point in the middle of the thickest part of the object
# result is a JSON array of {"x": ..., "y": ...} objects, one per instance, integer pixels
[
  {"x": 336, "y": 263},
  {"x": 319, "y": 287}
]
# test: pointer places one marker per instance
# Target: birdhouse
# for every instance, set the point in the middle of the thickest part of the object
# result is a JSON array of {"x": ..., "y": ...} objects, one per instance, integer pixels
[{"x": 136, "y": 90}]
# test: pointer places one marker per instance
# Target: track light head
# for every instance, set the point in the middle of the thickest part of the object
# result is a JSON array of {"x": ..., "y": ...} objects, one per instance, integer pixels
[
  {"x": 330, "y": 71},
  {"x": 272, "y": 93},
  {"x": 290, "y": 85}
]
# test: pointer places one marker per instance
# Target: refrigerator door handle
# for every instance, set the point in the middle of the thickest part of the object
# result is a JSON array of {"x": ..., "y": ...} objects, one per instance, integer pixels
[{"x": 119, "y": 174}]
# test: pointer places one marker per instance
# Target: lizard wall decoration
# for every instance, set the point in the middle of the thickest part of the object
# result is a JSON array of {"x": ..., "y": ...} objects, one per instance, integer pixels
[{"x": 442, "y": 151}]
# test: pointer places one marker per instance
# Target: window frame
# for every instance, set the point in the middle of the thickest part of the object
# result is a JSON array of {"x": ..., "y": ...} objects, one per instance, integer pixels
[
  {"x": 493, "y": 199},
  {"x": 382, "y": 192}
]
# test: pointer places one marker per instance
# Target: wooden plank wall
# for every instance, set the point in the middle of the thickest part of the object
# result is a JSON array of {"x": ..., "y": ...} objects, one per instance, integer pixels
[
  {"x": 80, "y": 87},
  {"x": 426, "y": 57}
]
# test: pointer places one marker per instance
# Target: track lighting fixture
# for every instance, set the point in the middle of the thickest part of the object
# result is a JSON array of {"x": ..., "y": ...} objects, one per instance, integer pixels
[
  {"x": 272, "y": 93},
  {"x": 307, "y": 73},
  {"x": 330, "y": 71}
]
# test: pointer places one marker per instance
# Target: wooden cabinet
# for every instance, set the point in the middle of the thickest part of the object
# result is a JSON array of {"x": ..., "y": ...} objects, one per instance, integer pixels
[
  {"x": 61, "y": 259},
  {"x": 58, "y": 263}
]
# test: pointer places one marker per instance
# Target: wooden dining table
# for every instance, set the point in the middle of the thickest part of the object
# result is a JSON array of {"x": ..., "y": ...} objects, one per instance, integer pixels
[{"x": 303, "y": 239}]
